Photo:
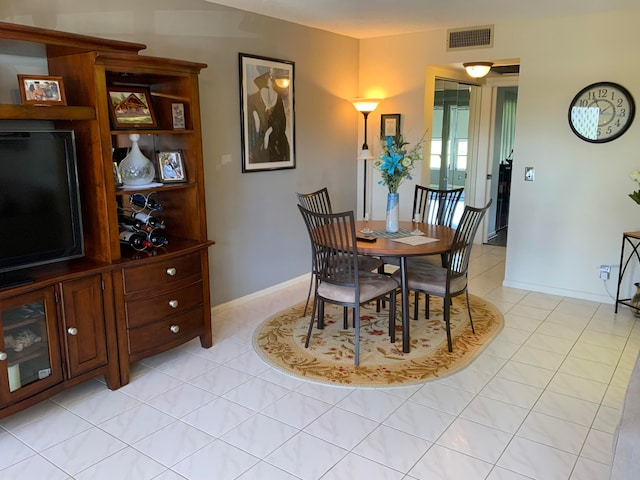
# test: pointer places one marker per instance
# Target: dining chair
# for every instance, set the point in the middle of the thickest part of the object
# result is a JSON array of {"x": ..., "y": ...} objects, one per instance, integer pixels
[
  {"x": 340, "y": 280},
  {"x": 451, "y": 280},
  {"x": 436, "y": 207},
  {"x": 320, "y": 202}
]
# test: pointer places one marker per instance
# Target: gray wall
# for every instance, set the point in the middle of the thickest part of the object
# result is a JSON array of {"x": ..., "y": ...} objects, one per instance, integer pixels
[{"x": 259, "y": 234}]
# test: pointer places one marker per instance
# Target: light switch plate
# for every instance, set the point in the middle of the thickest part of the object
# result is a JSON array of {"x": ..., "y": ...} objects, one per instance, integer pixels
[{"x": 529, "y": 174}]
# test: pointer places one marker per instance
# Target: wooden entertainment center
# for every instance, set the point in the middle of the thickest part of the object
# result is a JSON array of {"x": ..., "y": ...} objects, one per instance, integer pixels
[{"x": 96, "y": 315}]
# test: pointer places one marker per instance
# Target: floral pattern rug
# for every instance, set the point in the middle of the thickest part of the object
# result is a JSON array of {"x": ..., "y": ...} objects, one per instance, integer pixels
[{"x": 279, "y": 341}]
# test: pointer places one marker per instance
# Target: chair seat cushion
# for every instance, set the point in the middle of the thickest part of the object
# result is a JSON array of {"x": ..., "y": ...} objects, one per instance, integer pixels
[
  {"x": 368, "y": 263},
  {"x": 426, "y": 277},
  {"x": 372, "y": 285}
]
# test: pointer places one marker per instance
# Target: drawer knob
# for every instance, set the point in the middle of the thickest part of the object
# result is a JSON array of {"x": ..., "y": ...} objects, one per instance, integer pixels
[
  {"x": 171, "y": 271},
  {"x": 175, "y": 328},
  {"x": 3, "y": 356},
  {"x": 173, "y": 303},
  {"x": 72, "y": 331}
]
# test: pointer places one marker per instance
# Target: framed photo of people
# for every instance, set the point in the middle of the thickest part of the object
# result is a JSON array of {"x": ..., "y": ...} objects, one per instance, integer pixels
[
  {"x": 267, "y": 113},
  {"x": 170, "y": 167},
  {"x": 41, "y": 90}
]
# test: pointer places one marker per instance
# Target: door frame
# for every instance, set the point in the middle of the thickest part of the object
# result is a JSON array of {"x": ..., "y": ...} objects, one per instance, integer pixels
[
  {"x": 488, "y": 119},
  {"x": 475, "y": 193}
]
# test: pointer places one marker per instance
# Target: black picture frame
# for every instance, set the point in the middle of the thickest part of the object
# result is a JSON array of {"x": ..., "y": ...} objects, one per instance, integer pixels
[
  {"x": 389, "y": 125},
  {"x": 267, "y": 112}
]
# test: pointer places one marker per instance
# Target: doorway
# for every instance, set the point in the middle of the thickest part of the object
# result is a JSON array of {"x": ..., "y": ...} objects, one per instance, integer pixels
[
  {"x": 502, "y": 163},
  {"x": 448, "y": 167}
]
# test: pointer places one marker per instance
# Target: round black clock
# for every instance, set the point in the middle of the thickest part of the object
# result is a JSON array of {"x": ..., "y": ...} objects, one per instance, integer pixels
[{"x": 601, "y": 112}]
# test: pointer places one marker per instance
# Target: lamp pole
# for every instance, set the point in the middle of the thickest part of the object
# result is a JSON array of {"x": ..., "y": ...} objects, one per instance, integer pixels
[
  {"x": 365, "y": 106},
  {"x": 365, "y": 148}
]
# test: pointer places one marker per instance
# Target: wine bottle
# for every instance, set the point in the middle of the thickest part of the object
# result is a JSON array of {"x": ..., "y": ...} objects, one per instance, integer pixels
[
  {"x": 141, "y": 201},
  {"x": 134, "y": 224},
  {"x": 137, "y": 240},
  {"x": 148, "y": 219},
  {"x": 157, "y": 240}
]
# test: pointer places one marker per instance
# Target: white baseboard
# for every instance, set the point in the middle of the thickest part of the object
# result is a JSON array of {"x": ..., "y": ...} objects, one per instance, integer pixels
[
  {"x": 261, "y": 293},
  {"x": 600, "y": 298}
]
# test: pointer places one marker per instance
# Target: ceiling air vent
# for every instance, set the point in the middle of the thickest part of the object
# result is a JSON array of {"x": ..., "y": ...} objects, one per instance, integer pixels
[{"x": 472, "y": 37}]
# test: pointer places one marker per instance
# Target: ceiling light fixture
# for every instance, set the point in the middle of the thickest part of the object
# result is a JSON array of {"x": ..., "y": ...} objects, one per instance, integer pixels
[{"x": 477, "y": 69}]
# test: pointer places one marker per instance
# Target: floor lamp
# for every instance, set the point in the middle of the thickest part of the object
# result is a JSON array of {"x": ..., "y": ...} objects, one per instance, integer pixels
[{"x": 365, "y": 106}]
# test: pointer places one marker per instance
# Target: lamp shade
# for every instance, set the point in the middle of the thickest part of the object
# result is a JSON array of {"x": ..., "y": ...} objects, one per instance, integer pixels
[
  {"x": 365, "y": 154},
  {"x": 477, "y": 69},
  {"x": 365, "y": 105}
]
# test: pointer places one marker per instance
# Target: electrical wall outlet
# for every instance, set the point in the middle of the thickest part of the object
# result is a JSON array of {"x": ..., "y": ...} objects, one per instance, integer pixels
[{"x": 605, "y": 272}]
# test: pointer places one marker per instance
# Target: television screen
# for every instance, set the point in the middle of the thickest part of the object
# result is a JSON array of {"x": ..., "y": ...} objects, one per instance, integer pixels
[{"x": 40, "y": 219}]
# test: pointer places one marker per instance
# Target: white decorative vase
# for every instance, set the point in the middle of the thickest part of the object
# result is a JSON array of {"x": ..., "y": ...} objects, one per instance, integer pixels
[
  {"x": 393, "y": 212},
  {"x": 135, "y": 168}
]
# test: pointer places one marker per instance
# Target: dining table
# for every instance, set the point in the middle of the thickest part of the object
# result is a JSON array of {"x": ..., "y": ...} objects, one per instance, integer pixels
[{"x": 436, "y": 240}]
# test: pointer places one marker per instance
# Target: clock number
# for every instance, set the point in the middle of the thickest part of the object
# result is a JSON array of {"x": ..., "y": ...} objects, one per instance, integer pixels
[{"x": 622, "y": 112}]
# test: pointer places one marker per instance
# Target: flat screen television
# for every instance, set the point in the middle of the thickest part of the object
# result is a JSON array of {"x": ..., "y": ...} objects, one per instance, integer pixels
[{"x": 40, "y": 217}]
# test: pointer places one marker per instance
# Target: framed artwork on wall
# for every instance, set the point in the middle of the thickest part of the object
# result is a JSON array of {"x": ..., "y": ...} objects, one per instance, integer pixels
[
  {"x": 41, "y": 90},
  {"x": 389, "y": 125},
  {"x": 267, "y": 113}
]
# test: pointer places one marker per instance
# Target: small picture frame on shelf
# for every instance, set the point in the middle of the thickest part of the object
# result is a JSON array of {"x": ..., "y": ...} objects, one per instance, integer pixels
[
  {"x": 170, "y": 167},
  {"x": 131, "y": 108},
  {"x": 177, "y": 115},
  {"x": 389, "y": 125},
  {"x": 41, "y": 90}
]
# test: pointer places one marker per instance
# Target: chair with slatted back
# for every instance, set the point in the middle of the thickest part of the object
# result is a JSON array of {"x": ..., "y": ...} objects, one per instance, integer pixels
[
  {"x": 452, "y": 280},
  {"x": 436, "y": 207},
  {"x": 340, "y": 279},
  {"x": 320, "y": 202}
]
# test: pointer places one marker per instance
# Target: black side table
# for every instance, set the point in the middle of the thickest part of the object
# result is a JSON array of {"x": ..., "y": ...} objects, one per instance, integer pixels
[{"x": 632, "y": 239}]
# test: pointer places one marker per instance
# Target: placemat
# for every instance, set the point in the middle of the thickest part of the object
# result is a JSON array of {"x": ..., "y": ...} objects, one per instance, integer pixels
[{"x": 385, "y": 234}]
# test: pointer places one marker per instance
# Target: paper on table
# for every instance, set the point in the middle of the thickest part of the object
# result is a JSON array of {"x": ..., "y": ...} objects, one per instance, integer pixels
[{"x": 415, "y": 240}]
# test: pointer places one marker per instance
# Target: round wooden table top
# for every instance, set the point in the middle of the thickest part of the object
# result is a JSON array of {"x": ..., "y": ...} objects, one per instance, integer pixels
[{"x": 387, "y": 247}]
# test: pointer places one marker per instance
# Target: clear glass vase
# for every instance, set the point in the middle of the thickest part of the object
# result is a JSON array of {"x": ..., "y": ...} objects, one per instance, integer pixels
[{"x": 135, "y": 168}]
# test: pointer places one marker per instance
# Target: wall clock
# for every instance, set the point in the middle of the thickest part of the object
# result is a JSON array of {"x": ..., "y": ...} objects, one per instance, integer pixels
[{"x": 601, "y": 112}]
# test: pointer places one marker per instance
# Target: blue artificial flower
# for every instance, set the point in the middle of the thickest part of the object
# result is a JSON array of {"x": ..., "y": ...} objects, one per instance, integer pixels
[{"x": 391, "y": 162}]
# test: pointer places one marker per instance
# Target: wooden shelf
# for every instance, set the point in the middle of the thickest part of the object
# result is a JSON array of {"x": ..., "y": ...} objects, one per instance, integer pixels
[
  {"x": 37, "y": 350},
  {"x": 152, "y": 132},
  {"x": 46, "y": 112},
  {"x": 88, "y": 294}
]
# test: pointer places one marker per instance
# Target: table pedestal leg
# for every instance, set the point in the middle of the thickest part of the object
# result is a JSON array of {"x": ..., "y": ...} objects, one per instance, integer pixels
[{"x": 404, "y": 291}]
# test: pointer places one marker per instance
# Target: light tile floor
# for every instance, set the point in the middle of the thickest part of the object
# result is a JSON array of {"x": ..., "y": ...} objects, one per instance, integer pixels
[{"x": 541, "y": 402}]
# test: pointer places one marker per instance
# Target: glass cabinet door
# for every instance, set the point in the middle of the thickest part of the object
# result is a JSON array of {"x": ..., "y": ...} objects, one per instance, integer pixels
[{"x": 29, "y": 350}]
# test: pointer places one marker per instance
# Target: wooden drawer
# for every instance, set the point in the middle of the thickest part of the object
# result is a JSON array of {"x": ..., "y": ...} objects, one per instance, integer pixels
[
  {"x": 165, "y": 272},
  {"x": 167, "y": 332},
  {"x": 151, "y": 309}
]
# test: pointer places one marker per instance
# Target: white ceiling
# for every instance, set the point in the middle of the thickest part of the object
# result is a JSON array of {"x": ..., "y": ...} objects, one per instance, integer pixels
[{"x": 374, "y": 18}]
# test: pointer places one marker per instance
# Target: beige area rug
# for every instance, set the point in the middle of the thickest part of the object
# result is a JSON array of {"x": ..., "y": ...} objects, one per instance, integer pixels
[{"x": 279, "y": 341}]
